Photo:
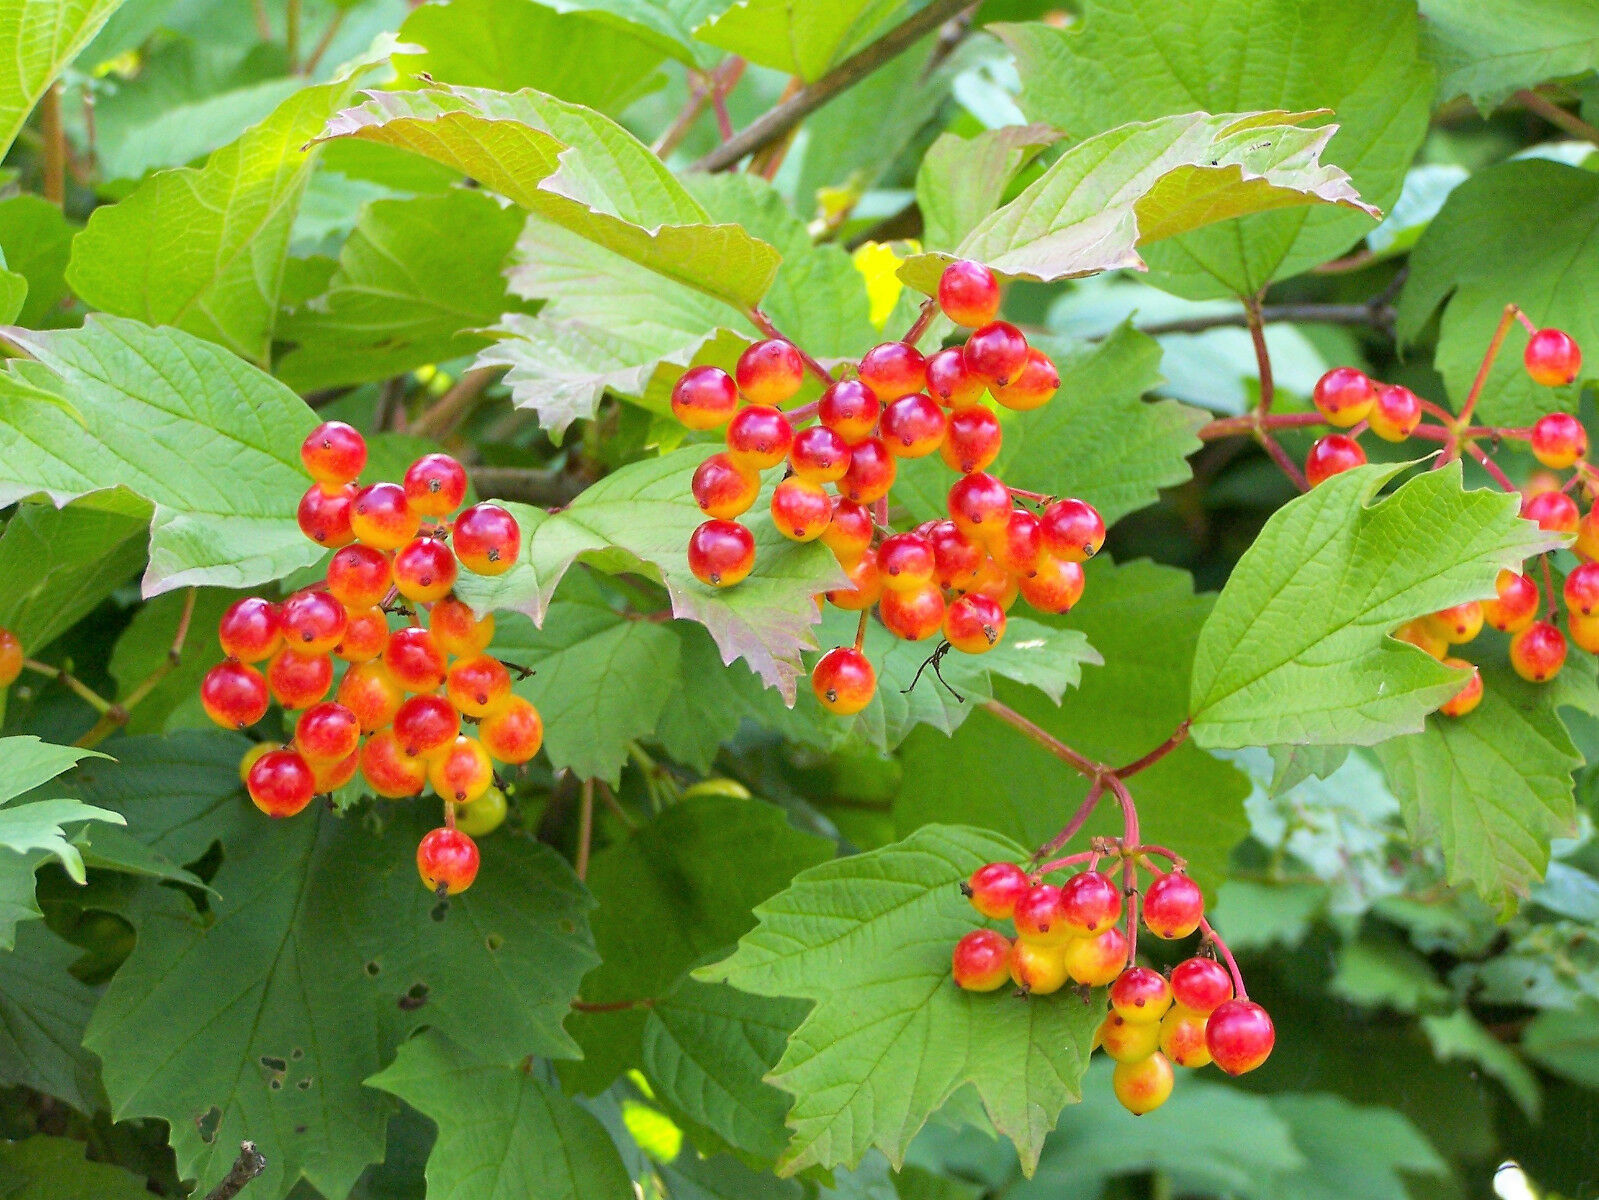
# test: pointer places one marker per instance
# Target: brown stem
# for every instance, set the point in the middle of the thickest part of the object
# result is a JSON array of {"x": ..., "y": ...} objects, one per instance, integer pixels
[
  {"x": 71, "y": 682},
  {"x": 924, "y": 318},
  {"x": 1548, "y": 587},
  {"x": 1488, "y": 357},
  {"x": 1084, "y": 766},
  {"x": 1250, "y": 422},
  {"x": 291, "y": 35},
  {"x": 118, "y": 714},
  {"x": 541, "y": 488},
  {"x": 1079, "y": 819},
  {"x": 1257, "y": 335},
  {"x": 784, "y": 117},
  {"x": 595, "y": 1006},
  {"x": 55, "y": 145},
  {"x": 90, "y": 134},
  {"x": 1178, "y": 737},
  {"x": 263, "y": 24},
  {"x": 615, "y": 805},
  {"x": 441, "y": 418},
  {"x": 764, "y": 323},
  {"x": 1570, "y": 122},
  {"x": 1377, "y": 313},
  {"x": 585, "y": 830},
  {"x": 323, "y": 42},
  {"x": 250, "y": 1163},
  {"x": 1060, "y": 864}
]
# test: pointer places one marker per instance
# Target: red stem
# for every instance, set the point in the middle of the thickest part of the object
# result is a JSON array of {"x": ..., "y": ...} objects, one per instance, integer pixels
[
  {"x": 1078, "y": 763},
  {"x": 613, "y": 1005},
  {"x": 764, "y": 323},
  {"x": 1079, "y": 819},
  {"x": 1488, "y": 464},
  {"x": 1178, "y": 737},
  {"x": 1177, "y": 861},
  {"x": 1060, "y": 864},
  {"x": 1280, "y": 456},
  {"x": 1035, "y": 497},
  {"x": 1488, "y": 357},
  {"x": 924, "y": 318},
  {"x": 1250, "y": 422},
  {"x": 1548, "y": 587},
  {"x": 1257, "y": 335},
  {"x": 1226, "y": 956}
]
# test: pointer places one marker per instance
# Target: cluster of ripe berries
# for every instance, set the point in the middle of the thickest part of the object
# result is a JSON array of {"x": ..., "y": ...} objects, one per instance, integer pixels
[
  {"x": 955, "y": 577},
  {"x": 1070, "y": 933},
  {"x": 398, "y": 710}
]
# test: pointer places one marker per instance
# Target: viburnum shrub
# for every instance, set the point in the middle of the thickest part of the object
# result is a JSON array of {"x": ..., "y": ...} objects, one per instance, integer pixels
[{"x": 837, "y": 594}]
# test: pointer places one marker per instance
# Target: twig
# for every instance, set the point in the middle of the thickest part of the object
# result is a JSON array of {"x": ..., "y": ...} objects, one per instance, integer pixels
[
  {"x": 1490, "y": 466},
  {"x": 323, "y": 42},
  {"x": 924, "y": 318},
  {"x": 615, "y": 805},
  {"x": 1257, "y": 335},
  {"x": 1379, "y": 315},
  {"x": 1557, "y": 116},
  {"x": 250, "y": 1163},
  {"x": 1280, "y": 456},
  {"x": 55, "y": 146},
  {"x": 542, "y": 488},
  {"x": 585, "y": 830},
  {"x": 1079, "y": 819},
  {"x": 596, "y": 1006},
  {"x": 1178, "y": 737},
  {"x": 441, "y": 418},
  {"x": 781, "y": 119},
  {"x": 1488, "y": 357},
  {"x": 263, "y": 24},
  {"x": 291, "y": 35},
  {"x": 1084, "y": 766},
  {"x": 1250, "y": 422},
  {"x": 118, "y": 714},
  {"x": 71, "y": 682}
]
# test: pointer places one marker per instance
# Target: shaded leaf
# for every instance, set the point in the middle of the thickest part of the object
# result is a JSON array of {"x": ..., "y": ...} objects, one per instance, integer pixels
[
  {"x": 803, "y": 39},
  {"x": 1488, "y": 51},
  {"x": 43, "y": 1013},
  {"x": 56, "y": 564},
  {"x": 961, "y": 180}
]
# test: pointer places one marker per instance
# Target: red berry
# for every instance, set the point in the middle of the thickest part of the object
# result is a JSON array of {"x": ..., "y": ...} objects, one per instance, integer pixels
[
  {"x": 1201, "y": 985},
  {"x": 1097, "y": 961},
  {"x": 995, "y": 887},
  {"x": 10, "y": 658},
  {"x": 1037, "y": 969},
  {"x": 477, "y": 686},
  {"x": 1538, "y": 652},
  {"x": 514, "y": 732},
  {"x": 388, "y": 769},
  {"x": 1092, "y": 903},
  {"x": 974, "y": 624},
  {"x": 383, "y": 518},
  {"x": 819, "y": 454},
  {"x": 951, "y": 382},
  {"x": 1332, "y": 455},
  {"x": 1072, "y": 530},
  {"x": 299, "y": 680},
  {"x": 892, "y": 370},
  {"x": 724, "y": 489},
  {"x": 1182, "y": 1038},
  {"x": 1018, "y": 544},
  {"x": 415, "y": 659},
  {"x": 801, "y": 510},
  {"x": 1555, "y": 512},
  {"x": 913, "y": 426},
  {"x": 913, "y": 615},
  {"x": 1055, "y": 587},
  {"x": 324, "y": 514},
  {"x": 1344, "y": 396},
  {"x": 313, "y": 622},
  {"x": 981, "y": 961},
  {"x": 425, "y": 725},
  {"x": 865, "y": 585},
  {"x": 250, "y": 630},
  {"x": 704, "y": 397},
  {"x": 1033, "y": 386},
  {"x": 721, "y": 553},
  {"x": 234, "y": 695},
  {"x": 1239, "y": 1036},
  {"x": 968, "y": 293},
  {"x": 849, "y": 534},
  {"x": 1558, "y": 440},
  {"x": 1552, "y": 358},
  {"x": 1140, "y": 995},
  {"x": 956, "y": 559},
  {"x": 447, "y": 860},
  {"x": 359, "y": 577},
  {"x": 333, "y": 453},
  {"x": 996, "y": 353},
  {"x": 487, "y": 539},
  {"x": 905, "y": 561},
  {"x": 1173, "y": 906},
  {"x": 1470, "y": 693},
  {"x": 327, "y": 733},
  {"x": 1395, "y": 414},
  {"x": 435, "y": 484},
  {"x": 770, "y": 372},
  {"x": 457, "y": 629},
  {"x": 1142, "y": 1087},
  {"x": 461, "y": 771},
  {"x": 844, "y": 680},
  {"x": 365, "y": 635},
  {"x": 1581, "y": 592},
  {"x": 371, "y": 692},
  {"x": 1040, "y": 916},
  {"x": 871, "y": 472},
  {"x": 758, "y": 438},
  {"x": 281, "y": 783},
  {"x": 850, "y": 409},
  {"x": 979, "y": 505},
  {"x": 424, "y": 570},
  {"x": 1516, "y": 605}
]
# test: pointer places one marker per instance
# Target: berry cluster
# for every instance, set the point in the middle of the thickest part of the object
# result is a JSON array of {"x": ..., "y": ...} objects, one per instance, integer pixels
[
  {"x": 1070, "y": 933},
  {"x": 956, "y": 577},
  {"x": 398, "y": 711}
]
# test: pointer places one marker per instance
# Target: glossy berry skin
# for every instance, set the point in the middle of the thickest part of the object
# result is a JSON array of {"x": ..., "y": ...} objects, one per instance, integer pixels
[
  {"x": 1516, "y": 605},
  {"x": 801, "y": 510},
  {"x": 461, "y": 771},
  {"x": 704, "y": 398},
  {"x": 514, "y": 732},
  {"x": 477, "y": 686},
  {"x": 1140, "y": 994},
  {"x": 1055, "y": 587},
  {"x": 487, "y": 539},
  {"x": 1458, "y": 624},
  {"x": 383, "y": 518},
  {"x": 1581, "y": 591},
  {"x": 425, "y": 725},
  {"x": 1201, "y": 985},
  {"x": 10, "y": 658},
  {"x": 1173, "y": 906},
  {"x": 424, "y": 570},
  {"x": 996, "y": 582},
  {"x": 359, "y": 576},
  {"x": 1128, "y": 1041},
  {"x": 871, "y": 472},
  {"x": 324, "y": 514},
  {"x": 313, "y": 622},
  {"x": 865, "y": 585},
  {"x": 329, "y": 777},
  {"x": 956, "y": 558},
  {"x": 905, "y": 561},
  {"x": 1096, "y": 961},
  {"x": 1552, "y": 358},
  {"x": 388, "y": 770},
  {"x": 980, "y": 961},
  {"x": 1143, "y": 1086},
  {"x": 723, "y": 489},
  {"x": 483, "y": 816},
  {"x": 849, "y": 534},
  {"x": 1470, "y": 693},
  {"x": 1332, "y": 455},
  {"x": 1040, "y": 916},
  {"x": 721, "y": 553},
  {"x": 447, "y": 860},
  {"x": 371, "y": 692},
  {"x": 979, "y": 504},
  {"x": 914, "y": 615},
  {"x": 758, "y": 438},
  {"x": 1558, "y": 440},
  {"x": 1072, "y": 530},
  {"x": 995, "y": 887},
  {"x": 1394, "y": 415},
  {"x": 972, "y": 440},
  {"x": 1583, "y": 632},
  {"x": 1037, "y": 969},
  {"x": 844, "y": 681},
  {"x": 435, "y": 485},
  {"x": 1423, "y": 636},
  {"x": 913, "y": 426},
  {"x": 333, "y": 453},
  {"x": 1538, "y": 652},
  {"x": 770, "y": 371},
  {"x": 1019, "y": 544},
  {"x": 1554, "y": 512},
  {"x": 457, "y": 629},
  {"x": 974, "y": 624},
  {"x": 996, "y": 353},
  {"x": 252, "y": 756},
  {"x": 234, "y": 695},
  {"x": 281, "y": 783},
  {"x": 850, "y": 409},
  {"x": 1034, "y": 385},
  {"x": 250, "y": 630},
  {"x": 951, "y": 382},
  {"x": 415, "y": 659},
  {"x": 892, "y": 370},
  {"x": 299, "y": 680},
  {"x": 327, "y": 733},
  {"x": 365, "y": 635},
  {"x": 1091, "y": 903},
  {"x": 968, "y": 293},
  {"x": 1239, "y": 1036},
  {"x": 1182, "y": 1038},
  {"x": 819, "y": 454},
  {"x": 1344, "y": 396}
]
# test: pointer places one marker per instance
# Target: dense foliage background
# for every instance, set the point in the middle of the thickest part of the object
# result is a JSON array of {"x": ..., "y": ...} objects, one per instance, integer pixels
[{"x": 209, "y": 231}]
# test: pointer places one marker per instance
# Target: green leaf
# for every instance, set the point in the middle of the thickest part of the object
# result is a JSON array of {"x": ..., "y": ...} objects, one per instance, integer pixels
[
  {"x": 204, "y": 248},
  {"x": 961, "y": 180},
  {"x": 1522, "y": 232},
  {"x": 36, "y": 825},
  {"x": 803, "y": 39},
  {"x": 43, "y": 37},
  {"x": 1146, "y": 182},
  {"x": 1325, "y": 1127},
  {"x": 503, "y": 1134},
  {"x": 1298, "y": 646},
  {"x": 675, "y": 891},
  {"x": 145, "y": 646},
  {"x": 57, "y": 564},
  {"x": 1488, "y": 51},
  {"x": 1491, "y": 788},
  {"x": 1144, "y": 620},
  {"x": 176, "y": 134},
  {"x": 1257, "y": 916},
  {"x": 1137, "y": 60},
  {"x": 37, "y": 241},
  {"x": 1566, "y": 1041},
  {"x": 1384, "y": 972},
  {"x": 576, "y": 168},
  {"x": 891, "y": 1037},
  {"x": 1461, "y": 1036},
  {"x": 333, "y": 953},
  {"x": 1292, "y": 765},
  {"x": 227, "y": 517},
  {"x": 639, "y": 519},
  {"x": 55, "y": 1169},
  {"x": 43, "y": 1013},
  {"x": 13, "y": 291},
  {"x": 417, "y": 282},
  {"x": 724, "y": 1178}
]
